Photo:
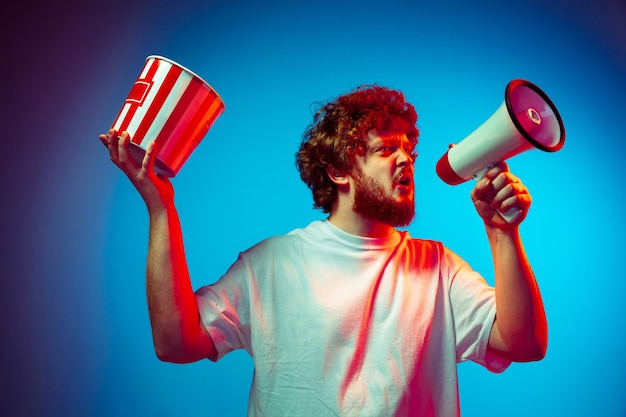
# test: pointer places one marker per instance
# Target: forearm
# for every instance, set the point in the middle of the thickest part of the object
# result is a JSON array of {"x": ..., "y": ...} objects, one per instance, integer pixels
[
  {"x": 176, "y": 329},
  {"x": 171, "y": 303},
  {"x": 520, "y": 327}
]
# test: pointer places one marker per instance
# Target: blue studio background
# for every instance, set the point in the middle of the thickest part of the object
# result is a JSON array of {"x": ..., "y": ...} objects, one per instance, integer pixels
[{"x": 75, "y": 336}]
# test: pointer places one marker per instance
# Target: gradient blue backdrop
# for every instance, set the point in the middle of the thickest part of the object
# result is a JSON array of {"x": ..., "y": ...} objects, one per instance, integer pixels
[{"x": 75, "y": 338}]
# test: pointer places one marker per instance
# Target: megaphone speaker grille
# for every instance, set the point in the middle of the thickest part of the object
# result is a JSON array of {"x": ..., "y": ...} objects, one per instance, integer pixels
[{"x": 534, "y": 115}]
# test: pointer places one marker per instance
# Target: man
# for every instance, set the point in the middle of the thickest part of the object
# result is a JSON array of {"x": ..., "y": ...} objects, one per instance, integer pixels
[{"x": 349, "y": 316}]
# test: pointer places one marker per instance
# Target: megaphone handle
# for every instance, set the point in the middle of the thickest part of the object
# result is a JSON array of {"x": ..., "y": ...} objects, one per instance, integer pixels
[{"x": 509, "y": 215}]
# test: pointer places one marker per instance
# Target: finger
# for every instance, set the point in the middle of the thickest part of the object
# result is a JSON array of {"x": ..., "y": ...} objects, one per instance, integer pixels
[
  {"x": 110, "y": 141},
  {"x": 147, "y": 164},
  {"x": 522, "y": 201},
  {"x": 122, "y": 147},
  {"x": 503, "y": 193},
  {"x": 112, "y": 135},
  {"x": 514, "y": 195},
  {"x": 106, "y": 138},
  {"x": 503, "y": 179},
  {"x": 103, "y": 139},
  {"x": 496, "y": 170},
  {"x": 480, "y": 189},
  {"x": 126, "y": 162},
  {"x": 513, "y": 210},
  {"x": 508, "y": 203},
  {"x": 503, "y": 166}
]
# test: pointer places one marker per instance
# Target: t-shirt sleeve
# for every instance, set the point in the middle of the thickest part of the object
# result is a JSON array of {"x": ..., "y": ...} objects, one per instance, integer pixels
[
  {"x": 224, "y": 310},
  {"x": 474, "y": 309}
]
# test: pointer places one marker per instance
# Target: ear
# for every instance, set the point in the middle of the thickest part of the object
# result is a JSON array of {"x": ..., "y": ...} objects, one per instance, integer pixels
[{"x": 336, "y": 175}]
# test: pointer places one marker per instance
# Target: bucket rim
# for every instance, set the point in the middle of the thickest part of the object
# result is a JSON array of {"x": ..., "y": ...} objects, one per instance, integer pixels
[{"x": 171, "y": 61}]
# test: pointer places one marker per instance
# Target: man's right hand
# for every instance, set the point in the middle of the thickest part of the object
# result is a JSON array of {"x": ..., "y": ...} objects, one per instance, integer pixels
[{"x": 156, "y": 190}]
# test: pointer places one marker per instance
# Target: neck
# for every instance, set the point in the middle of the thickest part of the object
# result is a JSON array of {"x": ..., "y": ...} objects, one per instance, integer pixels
[{"x": 355, "y": 224}]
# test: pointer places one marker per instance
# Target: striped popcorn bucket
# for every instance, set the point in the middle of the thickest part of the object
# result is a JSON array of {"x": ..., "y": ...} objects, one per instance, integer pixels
[{"x": 172, "y": 106}]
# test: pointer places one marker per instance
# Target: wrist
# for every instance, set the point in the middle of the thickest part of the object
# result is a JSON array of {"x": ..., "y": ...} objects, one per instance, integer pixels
[
  {"x": 161, "y": 209},
  {"x": 498, "y": 233}
]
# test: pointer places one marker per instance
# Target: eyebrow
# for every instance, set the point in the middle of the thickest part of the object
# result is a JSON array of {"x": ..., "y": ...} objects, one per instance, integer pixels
[
  {"x": 401, "y": 142},
  {"x": 383, "y": 140}
]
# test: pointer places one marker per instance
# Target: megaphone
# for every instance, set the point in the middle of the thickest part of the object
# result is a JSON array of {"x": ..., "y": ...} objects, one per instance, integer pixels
[{"x": 527, "y": 119}]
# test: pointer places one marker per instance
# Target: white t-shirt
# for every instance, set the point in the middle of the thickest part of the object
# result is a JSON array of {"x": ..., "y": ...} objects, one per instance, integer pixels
[{"x": 340, "y": 325}]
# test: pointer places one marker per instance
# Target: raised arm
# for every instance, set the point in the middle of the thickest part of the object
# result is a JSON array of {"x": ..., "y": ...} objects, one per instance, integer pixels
[
  {"x": 519, "y": 332},
  {"x": 177, "y": 331}
]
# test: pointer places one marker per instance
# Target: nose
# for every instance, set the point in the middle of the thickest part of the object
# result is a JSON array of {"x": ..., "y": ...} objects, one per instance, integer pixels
[{"x": 404, "y": 158}]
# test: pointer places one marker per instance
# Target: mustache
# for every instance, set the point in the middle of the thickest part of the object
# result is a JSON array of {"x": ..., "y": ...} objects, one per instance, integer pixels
[{"x": 404, "y": 177}]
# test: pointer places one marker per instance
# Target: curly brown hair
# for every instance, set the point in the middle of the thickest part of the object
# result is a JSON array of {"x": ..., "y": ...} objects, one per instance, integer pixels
[{"x": 338, "y": 134}]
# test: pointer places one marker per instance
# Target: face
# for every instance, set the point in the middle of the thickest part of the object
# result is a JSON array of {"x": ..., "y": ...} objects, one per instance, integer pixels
[{"x": 383, "y": 179}]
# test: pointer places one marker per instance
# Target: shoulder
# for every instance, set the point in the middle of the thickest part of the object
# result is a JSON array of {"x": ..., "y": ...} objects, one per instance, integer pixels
[
  {"x": 432, "y": 251},
  {"x": 423, "y": 245},
  {"x": 282, "y": 243}
]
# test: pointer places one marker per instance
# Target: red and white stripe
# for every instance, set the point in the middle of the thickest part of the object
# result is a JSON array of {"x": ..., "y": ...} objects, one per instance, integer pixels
[{"x": 171, "y": 106}]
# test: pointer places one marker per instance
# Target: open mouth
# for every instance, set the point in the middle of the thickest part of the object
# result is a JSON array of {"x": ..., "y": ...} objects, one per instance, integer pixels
[{"x": 405, "y": 181}]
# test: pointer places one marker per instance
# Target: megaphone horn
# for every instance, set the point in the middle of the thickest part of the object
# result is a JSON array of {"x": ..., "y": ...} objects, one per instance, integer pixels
[{"x": 527, "y": 119}]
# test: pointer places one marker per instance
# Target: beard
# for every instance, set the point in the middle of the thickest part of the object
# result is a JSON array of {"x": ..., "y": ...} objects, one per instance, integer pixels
[{"x": 370, "y": 201}]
